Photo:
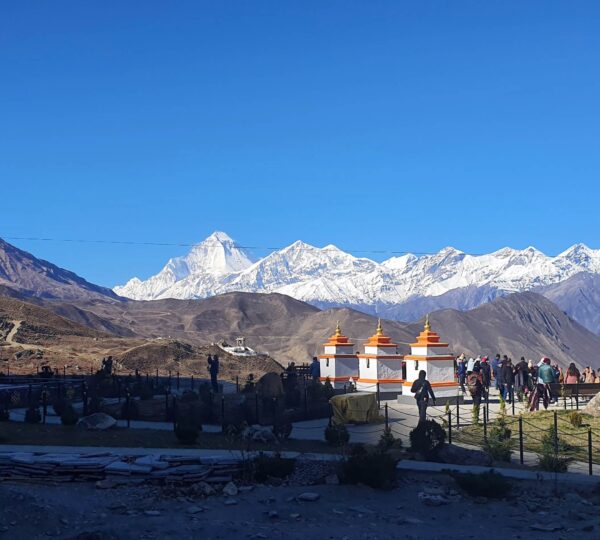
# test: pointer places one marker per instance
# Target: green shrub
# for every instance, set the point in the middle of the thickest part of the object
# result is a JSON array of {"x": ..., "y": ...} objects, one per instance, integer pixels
[
  {"x": 189, "y": 396},
  {"x": 69, "y": 417},
  {"x": 95, "y": 405},
  {"x": 427, "y": 438},
  {"x": 337, "y": 435},
  {"x": 488, "y": 484},
  {"x": 387, "y": 440},
  {"x": 59, "y": 405},
  {"x": 282, "y": 430},
  {"x": 186, "y": 432},
  {"x": 32, "y": 415},
  {"x": 130, "y": 411},
  {"x": 146, "y": 393},
  {"x": 498, "y": 444},
  {"x": 376, "y": 470},
  {"x": 552, "y": 444},
  {"x": 547, "y": 461},
  {"x": 576, "y": 419},
  {"x": 265, "y": 467}
]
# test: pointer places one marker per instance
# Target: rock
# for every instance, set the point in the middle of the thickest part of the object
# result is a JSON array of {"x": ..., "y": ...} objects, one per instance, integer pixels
[
  {"x": 308, "y": 496},
  {"x": 332, "y": 480},
  {"x": 552, "y": 527},
  {"x": 204, "y": 489},
  {"x": 432, "y": 500},
  {"x": 295, "y": 516},
  {"x": 230, "y": 489},
  {"x": 259, "y": 434},
  {"x": 195, "y": 510},
  {"x": 97, "y": 422},
  {"x": 360, "y": 510},
  {"x": 273, "y": 514},
  {"x": 450, "y": 453},
  {"x": 230, "y": 502},
  {"x": 593, "y": 407}
]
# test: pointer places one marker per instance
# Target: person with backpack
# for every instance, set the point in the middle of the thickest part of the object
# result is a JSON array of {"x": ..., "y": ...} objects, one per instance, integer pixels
[
  {"x": 486, "y": 375},
  {"x": 422, "y": 390},
  {"x": 476, "y": 389}
]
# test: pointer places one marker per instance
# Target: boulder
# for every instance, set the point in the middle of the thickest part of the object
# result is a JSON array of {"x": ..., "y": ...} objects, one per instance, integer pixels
[
  {"x": 457, "y": 455},
  {"x": 97, "y": 422},
  {"x": 270, "y": 386},
  {"x": 593, "y": 407},
  {"x": 259, "y": 434}
]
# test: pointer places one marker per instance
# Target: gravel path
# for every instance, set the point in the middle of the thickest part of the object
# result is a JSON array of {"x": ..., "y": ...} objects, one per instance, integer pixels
[{"x": 30, "y": 511}]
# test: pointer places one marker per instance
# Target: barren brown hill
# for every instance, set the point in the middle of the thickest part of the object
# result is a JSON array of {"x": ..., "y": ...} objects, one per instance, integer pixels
[{"x": 32, "y": 336}]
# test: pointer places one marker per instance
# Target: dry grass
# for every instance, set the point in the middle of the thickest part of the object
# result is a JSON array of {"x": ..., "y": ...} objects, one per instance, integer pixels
[{"x": 536, "y": 425}]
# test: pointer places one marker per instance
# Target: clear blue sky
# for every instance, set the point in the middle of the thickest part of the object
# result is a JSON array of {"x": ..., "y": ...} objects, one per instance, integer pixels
[{"x": 372, "y": 125}]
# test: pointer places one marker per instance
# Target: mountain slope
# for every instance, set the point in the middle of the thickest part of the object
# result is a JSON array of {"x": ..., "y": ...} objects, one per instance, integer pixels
[
  {"x": 521, "y": 324},
  {"x": 579, "y": 297},
  {"x": 30, "y": 276},
  {"x": 400, "y": 288}
]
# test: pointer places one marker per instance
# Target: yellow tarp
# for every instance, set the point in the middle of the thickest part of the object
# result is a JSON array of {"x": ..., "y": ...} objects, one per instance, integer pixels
[{"x": 355, "y": 408}]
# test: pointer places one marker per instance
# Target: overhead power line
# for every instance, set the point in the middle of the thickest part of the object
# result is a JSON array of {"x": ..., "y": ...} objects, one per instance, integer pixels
[{"x": 238, "y": 246}]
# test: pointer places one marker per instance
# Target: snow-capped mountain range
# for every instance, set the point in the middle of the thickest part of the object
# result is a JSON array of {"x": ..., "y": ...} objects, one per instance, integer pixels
[{"x": 402, "y": 287}]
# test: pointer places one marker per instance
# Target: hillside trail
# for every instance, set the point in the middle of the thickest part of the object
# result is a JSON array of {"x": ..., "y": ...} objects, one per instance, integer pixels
[{"x": 11, "y": 335}]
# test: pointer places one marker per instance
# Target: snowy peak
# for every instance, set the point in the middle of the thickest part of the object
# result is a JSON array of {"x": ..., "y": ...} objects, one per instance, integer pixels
[
  {"x": 328, "y": 276},
  {"x": 216, "y": 255}
]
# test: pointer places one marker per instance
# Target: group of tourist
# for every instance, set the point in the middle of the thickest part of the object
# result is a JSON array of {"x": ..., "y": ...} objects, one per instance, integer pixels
[{"x": 523, "y": 380}]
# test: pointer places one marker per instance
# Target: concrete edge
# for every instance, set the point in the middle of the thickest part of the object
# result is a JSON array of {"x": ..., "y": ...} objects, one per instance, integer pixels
[{"x": 515, "y": 474}]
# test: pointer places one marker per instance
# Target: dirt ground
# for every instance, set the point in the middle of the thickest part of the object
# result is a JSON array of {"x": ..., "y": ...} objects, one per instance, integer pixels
[{"x": 82, "y": 511}]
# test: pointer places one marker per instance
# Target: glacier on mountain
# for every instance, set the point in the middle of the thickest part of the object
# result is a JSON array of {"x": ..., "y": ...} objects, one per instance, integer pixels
[{"x": 329, "y": 277}]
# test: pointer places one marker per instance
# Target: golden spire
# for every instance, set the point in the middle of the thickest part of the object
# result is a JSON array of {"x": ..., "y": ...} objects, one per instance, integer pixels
[
  {"x": 427, "y": 325},
  {"x": 379, "y": 328},
  {"x": 338, "y": 330}
]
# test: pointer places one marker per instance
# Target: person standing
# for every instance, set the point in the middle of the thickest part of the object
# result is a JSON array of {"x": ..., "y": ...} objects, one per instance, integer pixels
[
  {"x": 521, "y": 376},
  {"x": 213, "y": 368},
  {"x": 508, "y": 380},
  {"x": 476, "y": 389},
  {"x": 546, "y": 378},
  {"x": 315, "y": 369},
  {"x": 486, "y": 374},
  {"x": 422, "y": 390},
  {"x": 573, "y": 374},
  {"x": 495, "y": 365},
  {"x": 461, "y": 371}
]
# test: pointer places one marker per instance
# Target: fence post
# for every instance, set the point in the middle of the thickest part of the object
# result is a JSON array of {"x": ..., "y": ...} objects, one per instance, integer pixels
[
  {"x": 84, "y": 398},
  {"x": 237, "y": 384},
  {"x": 512, "y": 398},
  {"x": 256, "y": 406},
  {"x": 192, "y": 381},
  {"x": 223, "y": 412},
  {"x": 44, "y": 404},
  {"x": 457, "y": 414},
  {"x": 387, "y": 420},
  {"x": 157, "y": 376},
  {"x": 484, "y": 427},
  {"x": 555, "y": 433},
  {"x": 178, "y": 380},
  {"x": 128, "y": 405},
  {"x": 169, "y": 379},
  {"x": 521, "y": 439},
  {"x": 449, "y": 427},
  {"x": 590, "y": 450},
  {"x": 577, "y": 396},
  {"x": 378, "y": 397}
]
